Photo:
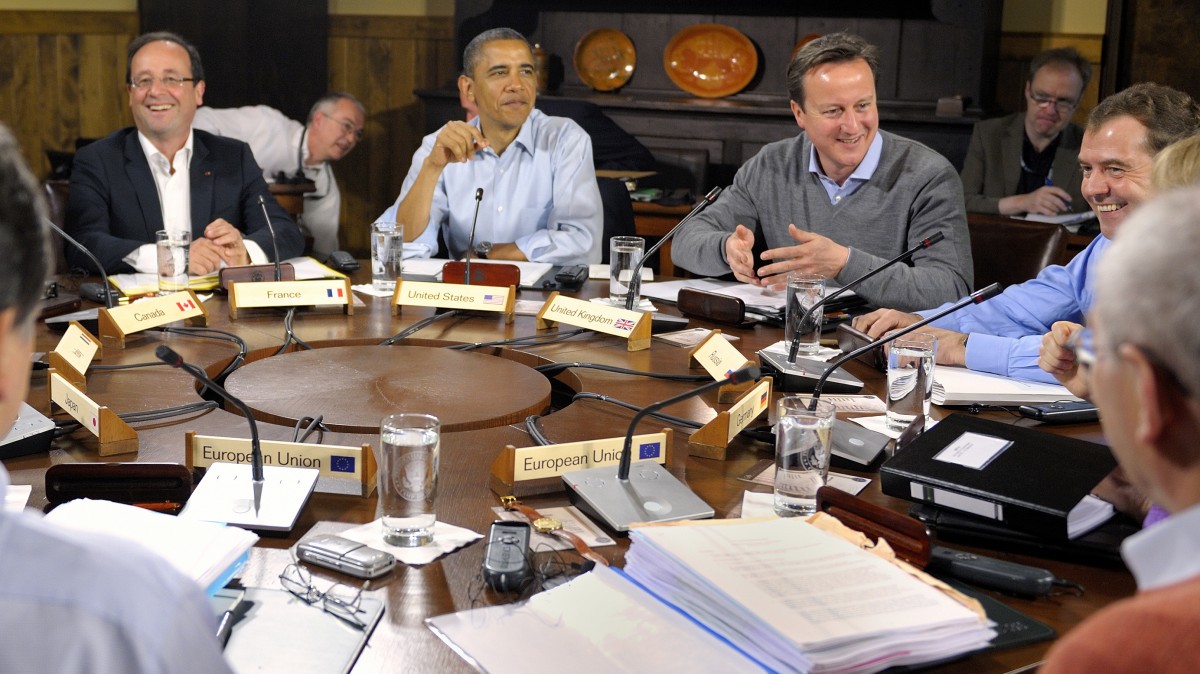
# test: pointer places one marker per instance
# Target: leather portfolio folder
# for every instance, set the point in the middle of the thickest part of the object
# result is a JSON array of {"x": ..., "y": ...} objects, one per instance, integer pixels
[{"x": 1030, "y": 486}]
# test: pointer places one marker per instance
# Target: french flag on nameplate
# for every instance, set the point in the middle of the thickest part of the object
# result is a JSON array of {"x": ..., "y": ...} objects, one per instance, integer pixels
[
  {"x": 185, "y": 305},
  {"x": 329, "y": 292}
]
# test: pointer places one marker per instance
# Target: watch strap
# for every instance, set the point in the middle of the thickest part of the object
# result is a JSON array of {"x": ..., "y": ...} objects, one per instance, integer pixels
[{"x": 552, "y": 527}]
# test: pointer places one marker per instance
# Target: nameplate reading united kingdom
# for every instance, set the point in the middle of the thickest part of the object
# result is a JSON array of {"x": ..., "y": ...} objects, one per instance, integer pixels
[
  {"x": 116, "y": 437},
  {"x": 74, "y": 353},
  {"x": 312, "y": 293},
  {"x": 343, "y": 469},
  {"x": 494, "y": 299},
  {"x": 119, "y": 322},
  {"x": 633, "y": 326}
]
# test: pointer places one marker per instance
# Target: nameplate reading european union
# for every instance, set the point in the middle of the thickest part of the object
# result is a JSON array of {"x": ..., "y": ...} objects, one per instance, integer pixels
[
  {"x": 343, "y": 469},
  {"x": 312, "y": 293},
  {"x": 119, "y": 322},
  {"x": 494, "y": 299},
  {"x": 74, "y": 353},
  {"x": 114, "y": 434},
  {"x": 530, "y": 463},
  {"x": 633, "y": 326}
]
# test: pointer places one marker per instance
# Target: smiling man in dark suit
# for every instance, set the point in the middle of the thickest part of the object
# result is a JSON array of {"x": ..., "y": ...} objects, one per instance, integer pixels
[{"x": 163, "y": 175}]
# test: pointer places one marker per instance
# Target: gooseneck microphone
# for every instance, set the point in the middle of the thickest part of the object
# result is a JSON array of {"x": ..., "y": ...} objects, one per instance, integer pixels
[
  {"x": 274, "y": 244},
  {"x": 795, "y": 347},
  {"x": 974, "y": 298},
  {"x": 105, "y": 291},
  {"x": 635, "y": 279},
  {"x": 645, "y": 492},
  {"x": 168, "y": 355},
  {"x": 471, "y": 239}
]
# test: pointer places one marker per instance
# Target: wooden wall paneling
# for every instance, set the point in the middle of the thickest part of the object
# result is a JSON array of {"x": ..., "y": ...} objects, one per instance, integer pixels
[
  {"x": 774, "y": 36},
  {"x": 104, "y": 99},
  {"x": 651, "y": 33}
]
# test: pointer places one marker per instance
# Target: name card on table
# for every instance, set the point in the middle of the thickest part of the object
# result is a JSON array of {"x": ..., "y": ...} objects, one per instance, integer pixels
[
  {"x": 119, "y": 322},
  {"x": 528, "y": 471},
  {"x": 116, "y": 437},
  {"x": 719, "y": 358},
  {"x": 342, "y": 469},
  {"x": 632, "y": 326},
  {"x": 493, "y": 299},
  {"x": 712, "y": 441},
  {"x": 312, "y": 293},
  {"x": 74, "y": 353}
]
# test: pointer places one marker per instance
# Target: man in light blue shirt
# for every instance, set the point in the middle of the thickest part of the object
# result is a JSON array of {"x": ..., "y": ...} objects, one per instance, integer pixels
[
  {"x": 1002, "y": 335},
  {"x": 540, "y": 199}
]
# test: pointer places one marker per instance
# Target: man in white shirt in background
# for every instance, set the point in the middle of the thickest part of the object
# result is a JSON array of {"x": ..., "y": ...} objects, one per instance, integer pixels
[
  {"x": 72, "y": 601},
  {"x": 286, "y": 150}
]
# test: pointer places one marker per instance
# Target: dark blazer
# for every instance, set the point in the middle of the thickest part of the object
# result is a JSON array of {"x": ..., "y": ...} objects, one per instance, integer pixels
[
  {"x": 114, "y": 205},
  {"x": 992, "y": 168}
]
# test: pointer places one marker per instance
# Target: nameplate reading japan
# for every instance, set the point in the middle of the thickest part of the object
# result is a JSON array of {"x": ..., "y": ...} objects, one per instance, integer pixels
[
  {"x": 530, "y": 463},
  {"x": 77, "y": 348},
  {"x": 120, "y": 322},
  {"x": 633, "y": 326},
  {"x": 455, "y": 296},
  {"x": 312, "y": 293},
  {"x": 114, "y": 434},
  {"x": 356, "y": 464},
  {"x": 718, "y": 357}
]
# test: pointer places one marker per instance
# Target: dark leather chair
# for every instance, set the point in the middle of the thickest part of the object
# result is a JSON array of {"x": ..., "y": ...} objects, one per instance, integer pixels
[
  {"x": 1012, "y": 251},
  {"x": 679, "y": 167},
  {"x": 57, "y": 193}
]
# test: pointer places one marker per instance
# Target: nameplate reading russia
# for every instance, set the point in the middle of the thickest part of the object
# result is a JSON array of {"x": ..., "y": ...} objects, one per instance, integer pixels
[
  {"x": 494, "y": 299},
  {"x": 312, "y": 293},
  {"x": 629, "y": 325}
]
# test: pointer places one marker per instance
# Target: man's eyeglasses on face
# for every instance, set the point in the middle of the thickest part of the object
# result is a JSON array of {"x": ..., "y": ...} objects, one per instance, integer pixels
[
  {"x": 348, "y": 128},
  {"x": 1063, "y": 105},
  {"x": 172, "y": 82}
]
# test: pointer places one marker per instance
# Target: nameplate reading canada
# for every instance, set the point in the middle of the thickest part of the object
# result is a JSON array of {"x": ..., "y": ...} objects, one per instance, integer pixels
[
  {"x": 156, "y": 311},
  {"x": 630, "y": 325},
  {"x": 455, "y": 296},
  {"x": 553, "y": 460},
  {"x": 313, "y": 293}
]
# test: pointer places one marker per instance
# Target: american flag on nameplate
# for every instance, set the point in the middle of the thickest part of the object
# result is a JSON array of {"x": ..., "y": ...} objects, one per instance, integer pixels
[
  {"x": 623, "y": 324},
  {"x": 493, "y": 299}
]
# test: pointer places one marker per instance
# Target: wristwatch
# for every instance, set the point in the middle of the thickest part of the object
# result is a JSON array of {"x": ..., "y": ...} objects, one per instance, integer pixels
[
  {"x": 482, "y": 249},
  {"x": 552, "y": 527}
]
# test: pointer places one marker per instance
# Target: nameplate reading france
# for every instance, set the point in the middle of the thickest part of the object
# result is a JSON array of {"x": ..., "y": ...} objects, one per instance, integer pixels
[
  {"x": 718, "y": 357},
  {"x": 493, "y": 299},
  {"x": 553, "y": 460},
  {"x": 354, "y": 464},
  {"x": 629, "y": 325},
  {"x": 120, "y": 322},
  {"x": 312, "y": 293}
]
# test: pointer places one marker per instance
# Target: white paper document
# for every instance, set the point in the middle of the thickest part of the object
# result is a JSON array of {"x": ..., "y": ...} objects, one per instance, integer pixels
[
  {"x": 973, "y": 450},
  {"x": 1060, "y": 219},
  {"x": 960, "y": 386}
]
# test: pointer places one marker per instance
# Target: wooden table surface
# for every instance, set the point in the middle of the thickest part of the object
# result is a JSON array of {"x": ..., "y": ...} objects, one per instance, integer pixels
[{"x": 401, "y": 642}]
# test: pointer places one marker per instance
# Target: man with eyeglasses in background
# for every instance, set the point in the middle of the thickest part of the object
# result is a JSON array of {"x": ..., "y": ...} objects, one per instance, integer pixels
[
  {"x": 1029, "y": 162},
  {"x": 288, "y": 151},
  {"x": 161, "y": 174}
]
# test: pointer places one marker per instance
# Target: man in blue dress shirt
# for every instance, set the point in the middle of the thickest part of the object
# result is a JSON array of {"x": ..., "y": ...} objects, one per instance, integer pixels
[{"x": 540, "y": 199}]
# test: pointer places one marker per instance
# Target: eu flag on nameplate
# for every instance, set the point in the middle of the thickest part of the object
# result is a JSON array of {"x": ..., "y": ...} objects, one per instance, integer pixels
[
  {"x": 649, "y": 450},
  {"x": 341, "y": 464},
  {"x": 623, "y": 324},
  {"x": 329, "y": 292}
]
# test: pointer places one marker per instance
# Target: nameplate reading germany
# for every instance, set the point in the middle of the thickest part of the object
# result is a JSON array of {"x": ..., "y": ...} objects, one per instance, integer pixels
[
  {"x": 312, "y": 293},
  {"x": 455, "y": 296},
  {"x": 629, "y": 325},
  {"x": 120, "y": 322}
]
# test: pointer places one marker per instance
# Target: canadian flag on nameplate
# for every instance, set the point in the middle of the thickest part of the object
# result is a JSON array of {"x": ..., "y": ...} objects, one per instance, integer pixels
[{"x": 185, "y": 305}]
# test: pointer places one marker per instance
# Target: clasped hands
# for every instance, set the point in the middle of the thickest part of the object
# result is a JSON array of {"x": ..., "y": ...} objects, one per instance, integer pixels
[{"x": 221, "y": 245}]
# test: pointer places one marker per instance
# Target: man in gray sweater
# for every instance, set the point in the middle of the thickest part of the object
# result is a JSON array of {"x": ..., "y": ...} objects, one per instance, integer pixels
[{"x": 839, "y": 199}]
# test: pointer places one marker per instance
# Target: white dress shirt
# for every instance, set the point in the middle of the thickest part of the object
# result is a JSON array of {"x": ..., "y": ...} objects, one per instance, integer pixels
[{"x": 1166, "y": 553}]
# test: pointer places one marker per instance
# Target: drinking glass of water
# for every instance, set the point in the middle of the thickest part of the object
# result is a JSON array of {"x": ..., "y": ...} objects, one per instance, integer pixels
[
  {"x": 909, "y": 378},
  {"x": 802, "y": 449},
  {"x": 408, "y": 472}
]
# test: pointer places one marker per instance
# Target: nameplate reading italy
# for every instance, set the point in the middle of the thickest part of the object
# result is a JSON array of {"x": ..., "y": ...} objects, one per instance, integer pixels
[
  {"x": 633, "y": 326},
  {"x": 74, "y": 353},
  {"x": 351, "y": 468},
  {"x": 311, "y": 293},
  {"x": 116, "y": 437},
  {"x": 493, "y": 299},
  {"x": 119, "y": 322}
]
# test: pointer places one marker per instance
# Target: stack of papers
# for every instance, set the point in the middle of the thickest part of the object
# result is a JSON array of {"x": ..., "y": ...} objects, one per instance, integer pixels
[
  {"x": 797, "y": 599},
  {"x": 206, "y": 552},
  {"x": 133, "y": 285},
  {"x": 960, "y": 386}
]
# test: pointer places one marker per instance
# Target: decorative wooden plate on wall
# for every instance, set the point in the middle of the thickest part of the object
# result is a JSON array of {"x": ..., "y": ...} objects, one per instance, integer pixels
[
  {"x": 605, "y": 59},
  {"x": 710, "y": 60}
]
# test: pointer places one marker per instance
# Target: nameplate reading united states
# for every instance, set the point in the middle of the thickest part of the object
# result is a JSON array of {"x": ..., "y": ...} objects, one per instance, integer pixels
[
  {"x": 115, "y": 435},
  {"x": 632, "y": 326},
  {"x": 343, "y": 469},
  {"x": 119, "y": 322},
  {"x": 74, "y": 353},
  {"x": 495, "y": 299},
  {"x": 312, "y": 293}
]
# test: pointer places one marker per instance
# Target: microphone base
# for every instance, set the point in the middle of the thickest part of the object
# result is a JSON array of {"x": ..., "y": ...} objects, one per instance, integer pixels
[
  {"x": 652, "y": 494},
  {"x": 802, "y": 376},
  {"x": 226, "y": 494}
]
